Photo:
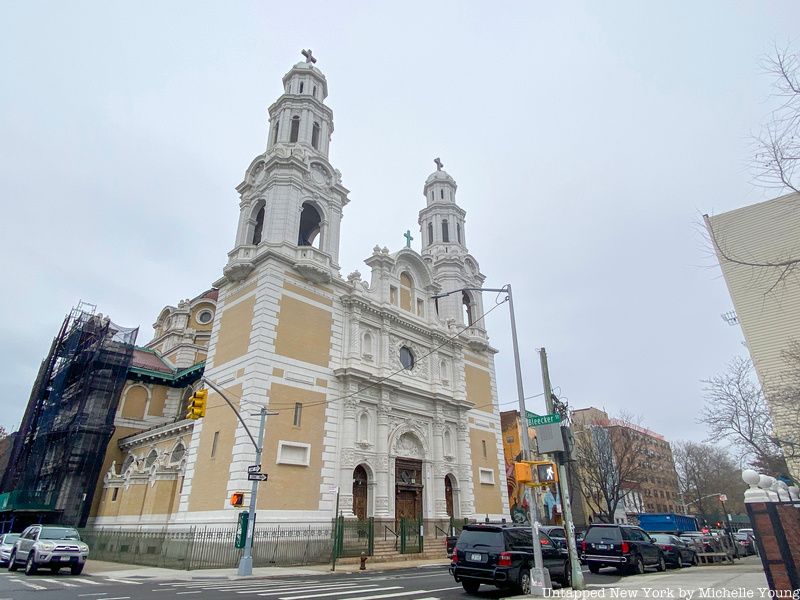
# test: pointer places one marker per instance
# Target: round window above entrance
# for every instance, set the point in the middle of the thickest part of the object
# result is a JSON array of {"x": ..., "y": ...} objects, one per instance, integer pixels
[
  {"x": 205, "y": 316},
  {"x": 406, "y": 358}
]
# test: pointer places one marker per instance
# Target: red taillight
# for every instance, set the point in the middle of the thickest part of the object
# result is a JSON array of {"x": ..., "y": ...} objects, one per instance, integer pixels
[
  {"x": 454, "y": 557},
  {"x": 583, "y": 546},
  {"x": 504, "y": 560},
  {"x": 667, "y": 548},
  {"x": 625, "y": 548}
]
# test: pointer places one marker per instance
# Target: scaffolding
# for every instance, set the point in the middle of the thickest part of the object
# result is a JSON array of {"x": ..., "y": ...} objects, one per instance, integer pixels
[{"x": 69, "y": 420}]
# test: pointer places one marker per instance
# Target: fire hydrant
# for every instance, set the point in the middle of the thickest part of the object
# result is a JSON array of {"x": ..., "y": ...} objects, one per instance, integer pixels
[{"x": 363, "y": 566}]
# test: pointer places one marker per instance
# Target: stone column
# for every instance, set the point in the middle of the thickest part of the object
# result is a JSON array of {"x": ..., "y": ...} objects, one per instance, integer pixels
[
  {"x": 440, "y": 502},
  {"x": 382, "y": 479},
  {"x": 348, "y": 456}
]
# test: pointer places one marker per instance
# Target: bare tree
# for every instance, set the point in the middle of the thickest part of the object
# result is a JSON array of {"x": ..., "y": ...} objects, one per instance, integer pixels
[
  {"x": 736, "y": 412},
  {"x": 776, "y": 162},
  {"x": 611, "y": 459},
  {"x": 704, "y": 471},
  {"x": 778, "y": 155}
]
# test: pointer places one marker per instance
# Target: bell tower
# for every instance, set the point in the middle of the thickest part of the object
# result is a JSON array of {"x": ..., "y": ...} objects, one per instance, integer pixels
[
  {"x": 291, "y": 199},
  {"x": 444, "y": 247}
]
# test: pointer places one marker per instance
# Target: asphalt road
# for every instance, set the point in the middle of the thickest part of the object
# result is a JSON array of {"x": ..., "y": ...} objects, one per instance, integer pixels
[{"x": 420, "y": 583}]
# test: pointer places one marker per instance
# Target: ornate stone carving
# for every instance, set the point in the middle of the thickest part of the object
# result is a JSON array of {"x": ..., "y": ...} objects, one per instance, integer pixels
[
  {"x": 408, "y": 445},
  {"x": 348, "y": 457},
  {"x": 382, "y": 503},
  {"x": 346, "y": 502},
  {"x": 383, "y": 463}
]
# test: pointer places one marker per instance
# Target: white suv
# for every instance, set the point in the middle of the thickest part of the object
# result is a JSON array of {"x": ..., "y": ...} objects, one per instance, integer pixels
[{"x": 49, "y": 546}]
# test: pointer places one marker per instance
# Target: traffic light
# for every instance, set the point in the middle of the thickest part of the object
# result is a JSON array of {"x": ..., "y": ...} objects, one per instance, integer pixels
[
  {"x": 522, "y": 472},
  {"x": 197, "y": 405},
  {"x": 237, "y": 499}
]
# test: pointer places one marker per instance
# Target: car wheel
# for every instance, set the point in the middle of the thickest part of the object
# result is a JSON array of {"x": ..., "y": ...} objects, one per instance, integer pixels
[
  {"x": 12, "y": 562},
  {"x": 30, "y": 564},
  {"x": 76, "y": 570},
  {"x": 524, "y": 584},
  {"x": 470, "y": 586},
  {"x": 638, "y": 566},
  {"x": 594, "y": 567},
  {"x": 679, "y": 564},
  {"x": 567, "y": 574},
  {"x": 662, "y": 564}
]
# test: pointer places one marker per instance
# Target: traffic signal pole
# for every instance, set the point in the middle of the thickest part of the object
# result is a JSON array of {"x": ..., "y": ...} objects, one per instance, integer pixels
[
  {"x": 246, "y": 561},
  {"x": 563, "y": 484}
]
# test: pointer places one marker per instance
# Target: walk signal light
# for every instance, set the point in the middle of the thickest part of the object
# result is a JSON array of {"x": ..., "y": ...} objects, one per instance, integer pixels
[
  {"x": 237, "y": 499},
  {"x": 547, "y": 472},
  {"x": 197, "y": 405}
]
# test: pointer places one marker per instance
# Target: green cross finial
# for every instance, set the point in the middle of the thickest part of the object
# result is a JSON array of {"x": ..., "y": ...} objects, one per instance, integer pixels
[{"x": 408, "y": 237}]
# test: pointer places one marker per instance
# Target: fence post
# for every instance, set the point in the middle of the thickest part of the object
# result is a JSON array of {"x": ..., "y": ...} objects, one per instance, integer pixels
[
  {"x": 371, "y": 529},
  {"x": 189, "y": 548}
]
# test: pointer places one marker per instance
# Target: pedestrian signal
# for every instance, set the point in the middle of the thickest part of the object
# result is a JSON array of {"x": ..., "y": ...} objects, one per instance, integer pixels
[
  {"x": 197, "y": 405},
  {"x": 237, "y": 499},
  {"x": 547, "y": 472},
  {"x": 522, "y": 472}
]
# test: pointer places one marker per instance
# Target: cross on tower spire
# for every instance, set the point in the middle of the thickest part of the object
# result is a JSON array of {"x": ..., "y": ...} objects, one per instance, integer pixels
[
  {"x": 408, "y": 237},
  {"x": 439, "y": 163},
  {"x": 309, "y": 57}
]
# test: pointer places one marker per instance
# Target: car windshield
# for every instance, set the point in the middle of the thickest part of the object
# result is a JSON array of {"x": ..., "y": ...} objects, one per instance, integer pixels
[
  {"x": 471, "y": 538},
  {"x": 603, "y": 534},
  {"x": 741, "y": 536},
  {"x": 10, "y": 538},
  {"x": 59, "y": 533},
  {"x": 662, "y": 538}
]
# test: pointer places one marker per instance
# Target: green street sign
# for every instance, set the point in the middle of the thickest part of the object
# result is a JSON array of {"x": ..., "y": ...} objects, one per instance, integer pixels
[
  {"x": 241, "y": 530},
  {"x": 535, "y": 420}
]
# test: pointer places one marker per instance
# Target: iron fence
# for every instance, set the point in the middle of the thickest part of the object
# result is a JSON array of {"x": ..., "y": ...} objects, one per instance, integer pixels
[
  {"x": 211, "y": 547},
  {"x": 354, "y": 537}
]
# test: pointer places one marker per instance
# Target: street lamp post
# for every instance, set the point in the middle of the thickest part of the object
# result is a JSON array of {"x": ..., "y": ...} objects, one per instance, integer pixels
[{"x": 544, "y": 575}]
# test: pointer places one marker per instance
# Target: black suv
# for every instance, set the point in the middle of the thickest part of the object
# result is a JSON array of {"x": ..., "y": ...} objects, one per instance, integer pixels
[
  {"x": 502, "y": 555},
  {"x": 625, "y": 547}
]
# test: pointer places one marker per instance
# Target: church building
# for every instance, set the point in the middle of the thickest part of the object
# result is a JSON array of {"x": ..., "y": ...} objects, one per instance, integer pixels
[{"x": 378, "y": 391}]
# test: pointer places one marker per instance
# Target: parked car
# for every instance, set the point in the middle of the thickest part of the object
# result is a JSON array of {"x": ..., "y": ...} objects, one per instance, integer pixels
[
  {"x": 746, "y": 543},
  {"x": 49, "y": 546},
  {"x": 6, "y": 544},
  {"x": 703, "y": 540},
  {"x": 556, "y": 533},
  {"x": 502, "y": 555},
  {"x": 677, "y": 552},
  {"x": 746, "y": 530},
  {"x": 626, "y": 547},
  {"x": 450, "y": 543}
]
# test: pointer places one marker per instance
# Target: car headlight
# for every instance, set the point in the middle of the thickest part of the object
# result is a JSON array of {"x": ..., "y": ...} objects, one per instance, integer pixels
[
  {"x": 47, "y": 547},
  {"x": 84, "y": 548}
]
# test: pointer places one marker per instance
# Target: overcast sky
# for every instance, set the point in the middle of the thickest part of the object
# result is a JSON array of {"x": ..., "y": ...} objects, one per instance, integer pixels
[{"x": 587, "y": 139}]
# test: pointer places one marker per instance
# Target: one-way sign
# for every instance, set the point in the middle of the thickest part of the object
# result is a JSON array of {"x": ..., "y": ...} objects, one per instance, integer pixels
[
  {"x": 254, "y": 469},
  {"x": 257, "y": 476}
]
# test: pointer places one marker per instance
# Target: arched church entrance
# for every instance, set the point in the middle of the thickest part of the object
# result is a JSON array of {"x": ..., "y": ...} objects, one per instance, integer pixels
[
  {"x": 448, "y": 496},
  {"x": 408, "y": 478},
  {"x": 360, "y": 492}
]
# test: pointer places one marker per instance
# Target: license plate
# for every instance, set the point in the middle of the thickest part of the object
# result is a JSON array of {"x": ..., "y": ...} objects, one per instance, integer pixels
[
  {"x": 602, "y": 546},
  {"x": 65, "y": 558},
  {"x": 476, "y": 557}
]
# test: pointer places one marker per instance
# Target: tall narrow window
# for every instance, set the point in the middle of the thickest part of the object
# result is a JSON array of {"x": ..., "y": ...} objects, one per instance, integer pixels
[
  {"x": 298, "y": 414},
  {"x": 445, "y": 231},
  {"x": 441, "y": 194},
  {"x": 315, "y": 135},
  {"x": 301, "y": 87},
  {"x": 483, "y": 446},
  {"x": 314, "y": 91},
  {"x": 310, "y": 223},
  {"x": 466, "y": 304},
  {"x": 275, "y": 133},
  {"x": 114, "y": 494},
  {"x": 458, "y": 232},
  {"x": 430, "y": 234},
  {"x": 294, "y": 133},
  {"x": 214, "y": 444},
  {"x": 257, "y": 227}
]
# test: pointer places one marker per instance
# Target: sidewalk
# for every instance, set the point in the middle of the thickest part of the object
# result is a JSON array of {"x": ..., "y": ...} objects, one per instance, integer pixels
[
  {"x": 741, "y": 580},
  {"x": 122, "y": 571}
]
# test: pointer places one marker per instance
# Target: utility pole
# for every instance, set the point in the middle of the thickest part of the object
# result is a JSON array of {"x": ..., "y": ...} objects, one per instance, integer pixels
[
  {"x": 563, "y": 484},
  {"x": 246, "y": 561},
  {"x": 543, "y": 575}
]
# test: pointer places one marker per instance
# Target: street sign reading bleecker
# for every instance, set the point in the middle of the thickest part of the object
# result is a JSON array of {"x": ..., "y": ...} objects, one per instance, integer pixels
[
  {"x": 257, "y": 476},
  {"x": 254, "y": 469},
  {"x": 535, "y": 421}
]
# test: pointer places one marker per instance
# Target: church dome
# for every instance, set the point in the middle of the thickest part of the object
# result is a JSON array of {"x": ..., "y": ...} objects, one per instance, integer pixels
[{"x": 439, "y": 177}]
